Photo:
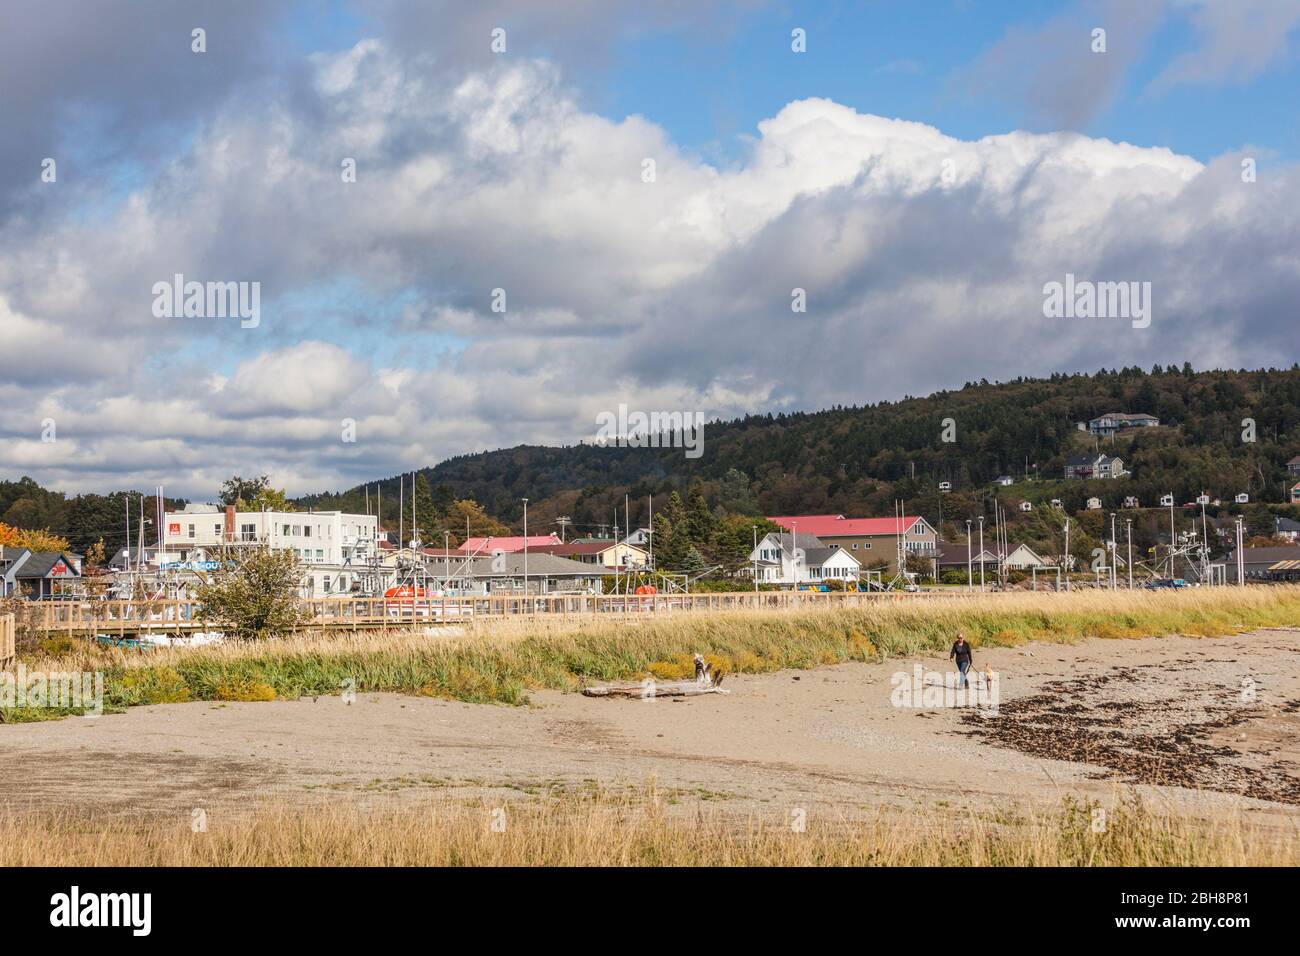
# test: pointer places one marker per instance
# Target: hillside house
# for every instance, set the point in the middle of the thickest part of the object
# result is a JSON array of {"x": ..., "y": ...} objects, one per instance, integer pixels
[
  {"x": 1112, "y": 422},
  {"x": 1084, "y": 467}
]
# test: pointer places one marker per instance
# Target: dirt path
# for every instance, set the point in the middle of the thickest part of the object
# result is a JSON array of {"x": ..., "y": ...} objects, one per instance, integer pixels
[{"x": 1073, "y": 719}]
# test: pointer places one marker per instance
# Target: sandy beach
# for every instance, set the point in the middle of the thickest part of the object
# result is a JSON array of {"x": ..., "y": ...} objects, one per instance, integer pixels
[{"x": 1198, "y": 723}]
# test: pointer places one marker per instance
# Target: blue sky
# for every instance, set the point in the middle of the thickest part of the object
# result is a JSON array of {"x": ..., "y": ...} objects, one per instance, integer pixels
[{"x": 711, "y": 84}]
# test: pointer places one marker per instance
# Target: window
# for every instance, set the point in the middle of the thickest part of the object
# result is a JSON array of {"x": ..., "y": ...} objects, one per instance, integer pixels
[
  {"x": 190, "y": 529},
  {"x": 326, "y": 579},
  {"x": 855, "y": 546},
  {"x": 306, "y": 531},
  {"x": 286, "y": 531},
  {"x": 320, "y": 555},
  {"x": 248, "y": 532},
  {"x": 216, "y": 529}
]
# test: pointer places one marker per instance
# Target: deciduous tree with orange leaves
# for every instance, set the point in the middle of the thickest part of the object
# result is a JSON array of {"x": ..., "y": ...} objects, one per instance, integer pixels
[{"x": 11, "y": 537}]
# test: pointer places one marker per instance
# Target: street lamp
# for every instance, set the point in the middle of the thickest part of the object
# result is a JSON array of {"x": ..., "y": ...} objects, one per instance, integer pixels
[
  {"x": 970, "y": 574},
  {"x": 1129, "y": 533},
  {"x": 525, "y": 547},
  {"x": 755, "y": 553},
  {"x": 1112, "y": 550},
  {"x": 981, "y": 552}
]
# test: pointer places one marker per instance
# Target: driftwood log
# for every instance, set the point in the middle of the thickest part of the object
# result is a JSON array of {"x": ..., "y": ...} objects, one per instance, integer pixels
[{"x": 705, "y": 683}]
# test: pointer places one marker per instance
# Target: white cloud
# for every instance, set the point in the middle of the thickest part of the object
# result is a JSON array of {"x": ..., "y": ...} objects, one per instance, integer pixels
[{"x": 666, "y": 295}]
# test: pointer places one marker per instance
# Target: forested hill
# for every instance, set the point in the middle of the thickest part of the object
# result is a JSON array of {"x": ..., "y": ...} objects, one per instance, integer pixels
[
  {"x": 856, "y": 460},
  {"x": 851, "y": 460}
]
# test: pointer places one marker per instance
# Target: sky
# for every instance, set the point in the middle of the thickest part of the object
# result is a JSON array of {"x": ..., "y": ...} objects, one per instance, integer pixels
[{"x": 560, "y": 208}]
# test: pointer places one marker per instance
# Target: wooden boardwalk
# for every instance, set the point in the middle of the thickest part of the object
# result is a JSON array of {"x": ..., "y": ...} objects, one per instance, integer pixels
[
  {"x": 7, "y": 650},
  {"x": 129, "y": 618}
]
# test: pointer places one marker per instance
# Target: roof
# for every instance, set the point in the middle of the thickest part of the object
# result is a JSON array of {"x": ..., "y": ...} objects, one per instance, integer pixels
[
  {"x": 1126, "y": 416},
  {"x": 1269, "y": 555},
  {"x": 507, "y": 543},
  {"x": 1294, "y": 461},
  {"x": 1285, "y": 566},
  {"x": 831, "y": 526},
  {"x": 954, "y": 552},
  {"x": 599, "y": 546},
  {"x": 511, "y": 564},
  {"x": 41, "y": 563},
  {"x": 805, "y": 541},
  {"x": 815, "y": 557},
  {"x": 1286, "y": 524}
]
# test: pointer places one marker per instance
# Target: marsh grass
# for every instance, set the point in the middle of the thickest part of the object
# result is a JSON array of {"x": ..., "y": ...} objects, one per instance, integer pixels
[
  {"x": 501, "y": 660},
  {"x": 641, "y": 828}
]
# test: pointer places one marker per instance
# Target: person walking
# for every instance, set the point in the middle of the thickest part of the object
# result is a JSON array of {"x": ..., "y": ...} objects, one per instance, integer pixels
[{"x": 961, "y": 653}]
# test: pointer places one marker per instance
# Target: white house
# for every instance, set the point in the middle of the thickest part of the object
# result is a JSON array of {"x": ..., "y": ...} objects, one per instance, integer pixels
[
  {"x": 1056, "y": 502},
  {"x": 1026, "y": 506},
  {"x": 330, "y": 545},
  {"x": 316, "y": 537},
  {"x": 1006, "y": 480},
  {"x": 1131, "y": 502},
  {"x": 1242, "y": 498},
  {"x": 1166, "y": 500},
  {"x": 1094, "y": 504},
  {"x": 779, "y": 559},
  {"x": 945, "y": 486},
  {"x": 1023, "y": 558}
]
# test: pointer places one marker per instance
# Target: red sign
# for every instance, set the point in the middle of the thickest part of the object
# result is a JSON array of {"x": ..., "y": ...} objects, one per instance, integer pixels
[
  {"x": 174, "y": 528},
  {"x": 59, "y": 569}
]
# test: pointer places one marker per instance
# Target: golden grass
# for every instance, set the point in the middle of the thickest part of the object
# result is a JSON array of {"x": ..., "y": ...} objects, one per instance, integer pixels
[
  {"x": 499, "y": 660},
  {"x": 642, "y": 829}
]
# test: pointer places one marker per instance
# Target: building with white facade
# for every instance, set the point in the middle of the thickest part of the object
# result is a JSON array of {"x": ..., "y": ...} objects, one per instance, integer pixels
[{"x": 333, "y": 547}]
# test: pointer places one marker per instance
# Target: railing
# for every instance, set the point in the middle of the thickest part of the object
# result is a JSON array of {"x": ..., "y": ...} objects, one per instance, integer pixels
[
  {"x": 7, "y": 648},
  {"x": 168, "y": 616}
]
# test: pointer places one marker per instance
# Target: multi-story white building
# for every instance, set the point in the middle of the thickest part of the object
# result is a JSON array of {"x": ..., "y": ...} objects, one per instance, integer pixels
[{"x": 332, "y": 546}]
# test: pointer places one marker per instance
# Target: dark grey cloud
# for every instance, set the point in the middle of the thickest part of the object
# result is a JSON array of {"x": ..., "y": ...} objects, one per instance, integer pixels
[
  {"x": 91, "y": 83},
  {"x": 1052, "y": 70}
]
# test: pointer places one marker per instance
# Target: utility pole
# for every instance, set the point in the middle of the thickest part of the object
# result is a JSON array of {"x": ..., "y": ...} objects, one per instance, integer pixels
[
  {"x": 981, "y": 552},
  {"x": 755, "y": 554},
  {"x": 525, "y": 547}
]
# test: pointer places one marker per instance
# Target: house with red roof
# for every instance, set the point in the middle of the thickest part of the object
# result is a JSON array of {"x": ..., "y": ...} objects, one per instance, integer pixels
[{"x": 869, "y": 540}]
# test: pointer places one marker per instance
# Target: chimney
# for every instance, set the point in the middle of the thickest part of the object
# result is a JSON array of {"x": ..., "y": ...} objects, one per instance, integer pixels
[{"x": 230, "y": 523}]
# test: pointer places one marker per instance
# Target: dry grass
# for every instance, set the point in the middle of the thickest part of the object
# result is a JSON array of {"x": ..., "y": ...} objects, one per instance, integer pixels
[
  {"x": 499, "y": 660},
  {"x": 641, "y": 829}
]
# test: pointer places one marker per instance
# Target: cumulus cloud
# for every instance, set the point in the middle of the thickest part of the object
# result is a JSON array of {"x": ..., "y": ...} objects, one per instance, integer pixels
[{"x": 922, "y": 258}]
